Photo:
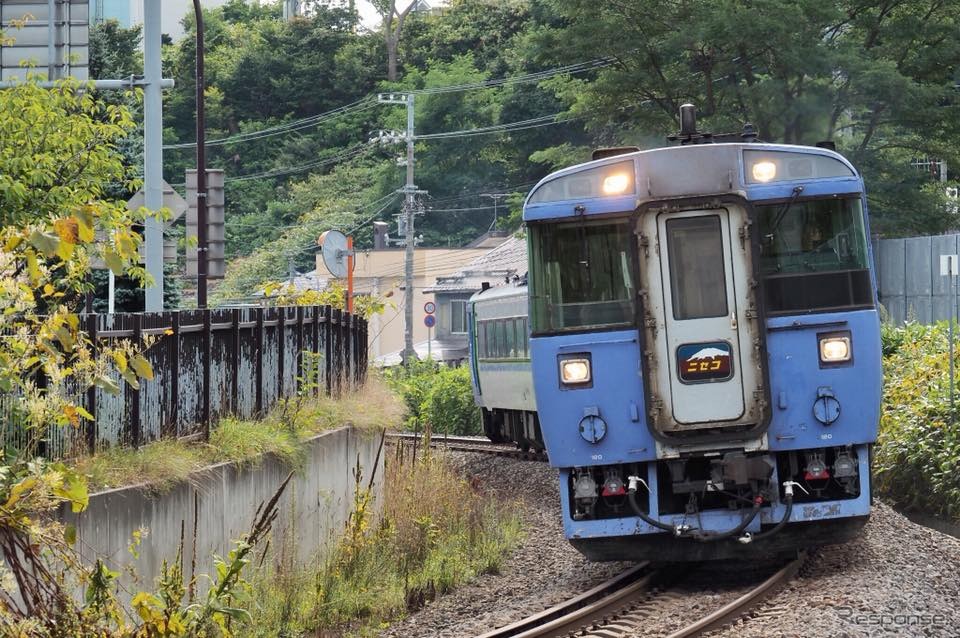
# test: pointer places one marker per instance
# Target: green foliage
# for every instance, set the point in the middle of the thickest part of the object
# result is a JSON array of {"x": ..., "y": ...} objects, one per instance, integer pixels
[
  {"x": 437, "y": 397},
  {"x": 436, "y": 532},
  {"x": 917, "y": 456},
  {"x": 878, "y": 78}
]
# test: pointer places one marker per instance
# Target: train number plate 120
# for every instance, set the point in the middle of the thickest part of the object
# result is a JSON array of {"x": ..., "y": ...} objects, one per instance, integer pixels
[{"x": 704, "y": 362}]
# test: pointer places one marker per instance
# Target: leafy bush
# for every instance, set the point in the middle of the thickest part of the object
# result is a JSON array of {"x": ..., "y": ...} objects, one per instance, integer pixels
[
  {"x": 918, "y": 449},
  {"x": 437, "y": 397}
]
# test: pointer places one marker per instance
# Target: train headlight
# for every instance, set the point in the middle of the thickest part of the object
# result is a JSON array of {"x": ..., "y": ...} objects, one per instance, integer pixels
[
  {"x": 764, "y": 171},
  {"x": 616, "y": 184},
  {"x": 835, "y": 348},
  {"x": 575, "y": 371}
]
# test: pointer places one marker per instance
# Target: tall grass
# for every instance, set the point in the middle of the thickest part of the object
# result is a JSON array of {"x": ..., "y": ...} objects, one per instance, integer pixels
[
  {"x": 435, "y": 531},
  {"x": 281, "y": 433}
]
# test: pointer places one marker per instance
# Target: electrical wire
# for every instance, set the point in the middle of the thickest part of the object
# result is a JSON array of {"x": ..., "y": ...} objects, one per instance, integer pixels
[
  {"x": 570, "y": 69},
  {"x": 546, "y": 120},
  {"x": 363, "y": 104},
  {"x": 368, "y": 102}
]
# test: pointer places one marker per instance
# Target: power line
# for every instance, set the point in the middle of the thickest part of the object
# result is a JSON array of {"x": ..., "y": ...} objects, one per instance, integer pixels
[
  {"x": 363, "y": 104},
  {"x": 545, "y": 120},
  {"x": 369, "y": 102},
  {"x": 571, "y": 69}
]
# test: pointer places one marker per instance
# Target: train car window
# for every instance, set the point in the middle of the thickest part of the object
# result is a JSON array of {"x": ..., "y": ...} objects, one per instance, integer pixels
[
  {"x": 502, "y": 347},
  {"x": 813, "y": 256},
  {"x": 522, "y": 337},
  {"x": 491, "y": 339},
  {"x": 511, "y": 330},
  {"x": 481, "y": 340},
  {"x": 698, "y": 282},
  {"x": 581, "y": 276}
]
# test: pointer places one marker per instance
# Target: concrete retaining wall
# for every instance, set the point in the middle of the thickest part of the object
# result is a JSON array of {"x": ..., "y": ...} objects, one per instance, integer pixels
[{"x": 314, "y": 509}]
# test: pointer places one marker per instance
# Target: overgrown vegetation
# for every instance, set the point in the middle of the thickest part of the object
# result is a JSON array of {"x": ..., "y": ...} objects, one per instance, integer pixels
[
  {"x": 282, "y": 433},
  {"x": 917, "y": 459},
  {"x": 437, "y": 397},
  {"x": 436, "y": 531}
]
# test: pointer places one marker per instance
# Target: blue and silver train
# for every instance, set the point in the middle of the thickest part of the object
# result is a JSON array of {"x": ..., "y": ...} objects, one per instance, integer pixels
[{"x": 704, "y": 342}]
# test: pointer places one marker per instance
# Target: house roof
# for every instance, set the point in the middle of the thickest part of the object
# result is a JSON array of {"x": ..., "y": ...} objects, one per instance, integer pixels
[{"x": 497, "y": 266}]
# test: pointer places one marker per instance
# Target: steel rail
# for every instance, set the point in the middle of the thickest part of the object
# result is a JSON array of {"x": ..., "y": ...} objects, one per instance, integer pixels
[
  {"x": 572, "y": 614},
  {"x": 733, "y": 610},
  {"x": 479, "y": 445}
]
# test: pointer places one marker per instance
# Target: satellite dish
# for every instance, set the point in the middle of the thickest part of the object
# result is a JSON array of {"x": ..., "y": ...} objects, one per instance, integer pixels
[{"x": 333, "y": 245}]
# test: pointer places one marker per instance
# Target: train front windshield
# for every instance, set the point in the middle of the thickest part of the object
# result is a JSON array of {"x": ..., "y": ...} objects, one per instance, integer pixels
[
  {"x": 813, "y": 256},
  {"x": 581, "y": 276}
]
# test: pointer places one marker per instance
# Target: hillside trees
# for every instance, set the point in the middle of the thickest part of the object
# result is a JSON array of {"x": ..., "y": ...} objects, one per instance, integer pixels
[{"x": 879, "y": 78}]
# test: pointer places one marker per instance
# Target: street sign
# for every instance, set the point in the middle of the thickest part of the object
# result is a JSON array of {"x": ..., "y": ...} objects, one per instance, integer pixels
[
  {"x": 216, "y": 231},
  {"x": 430, "y": 321},
  {"x": 429, "y": 307},
  {"x": 52, "y": 44},
  {"x": 949, "y": 265}
]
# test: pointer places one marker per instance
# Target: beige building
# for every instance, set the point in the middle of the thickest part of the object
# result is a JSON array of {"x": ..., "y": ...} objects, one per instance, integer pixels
[{"x": 381, "y": 271}]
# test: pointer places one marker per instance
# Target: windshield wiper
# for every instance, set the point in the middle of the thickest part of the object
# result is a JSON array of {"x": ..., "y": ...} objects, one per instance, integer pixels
[{"x": 786, "y": 208}]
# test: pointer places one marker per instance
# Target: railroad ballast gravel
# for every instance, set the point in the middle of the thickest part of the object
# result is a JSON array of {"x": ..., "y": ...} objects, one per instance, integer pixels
[{"x": 896, "y": 579}]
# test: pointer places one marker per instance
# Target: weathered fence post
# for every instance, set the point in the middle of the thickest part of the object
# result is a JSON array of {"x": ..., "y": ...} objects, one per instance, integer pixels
[
  {"x": 258, "y": 366},
  {"x": 207, "y": 363},
  {"x": 328, "y": 348},
  {"x": 235, "y": 363},
  {"x": 135, "y": 425},
  {"x": 282, "y": 347},
  {"x": 316, "y": 349},
  {"x": 91, "y": 429},
  {"x": 348, "y": 349},
  {"x": 299, "y": 376},
  {"x": 336, "y": 318},
  {"x": 174, "y": 426}
]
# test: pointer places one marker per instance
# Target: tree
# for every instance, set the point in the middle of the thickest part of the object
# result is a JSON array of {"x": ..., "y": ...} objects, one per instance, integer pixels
[
  {"x": 392, "y": 26},
  {"x": 877, "y": 77}
]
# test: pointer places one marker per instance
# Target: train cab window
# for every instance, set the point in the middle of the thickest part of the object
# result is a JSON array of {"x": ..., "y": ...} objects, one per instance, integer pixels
[
  {"x": 813, "y": 256},
  {"x": 698, "y": 284},
  {"x": 582, "y": 276}
]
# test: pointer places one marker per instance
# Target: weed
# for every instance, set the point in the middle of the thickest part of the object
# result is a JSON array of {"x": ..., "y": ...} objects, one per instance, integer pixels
[{"x": 434, "y": 533}]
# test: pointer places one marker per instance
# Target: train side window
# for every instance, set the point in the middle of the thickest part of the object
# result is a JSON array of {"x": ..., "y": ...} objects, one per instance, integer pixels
[
  {"x": 501, "y": 339},
  {"x": 511, "y": 329},
  {"x": 521, "y": 346},
  {"x": 491, "y": 340},
  {"x": 481, "y": 340}
]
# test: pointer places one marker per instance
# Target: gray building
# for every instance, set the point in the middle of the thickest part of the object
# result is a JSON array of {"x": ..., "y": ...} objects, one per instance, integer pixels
[{"x": 499, "y": 266}]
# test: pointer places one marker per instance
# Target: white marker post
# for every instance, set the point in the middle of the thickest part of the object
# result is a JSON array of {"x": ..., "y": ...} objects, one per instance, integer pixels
[{"x": 949, "y": 267}]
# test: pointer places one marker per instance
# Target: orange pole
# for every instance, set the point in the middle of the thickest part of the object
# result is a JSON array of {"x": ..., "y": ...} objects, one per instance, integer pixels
[{"x": 350, "y": 275}]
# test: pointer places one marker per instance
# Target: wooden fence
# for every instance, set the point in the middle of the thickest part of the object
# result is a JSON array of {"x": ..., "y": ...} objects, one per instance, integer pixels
[{"x": 209, "y": 364}]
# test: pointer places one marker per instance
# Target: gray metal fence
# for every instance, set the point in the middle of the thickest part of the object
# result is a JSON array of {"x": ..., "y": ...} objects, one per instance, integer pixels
[
  {"x": 909, "y": 280},
  {"x": 207, "y": 364}
]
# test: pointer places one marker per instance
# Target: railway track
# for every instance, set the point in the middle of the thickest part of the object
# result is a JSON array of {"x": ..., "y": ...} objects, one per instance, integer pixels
[
  {"x": 622, "y": 607},
  {"x": 477, "y": 444}
]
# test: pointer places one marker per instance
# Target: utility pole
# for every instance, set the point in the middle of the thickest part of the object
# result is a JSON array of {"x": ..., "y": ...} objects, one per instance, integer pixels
[
  {"x": 202, "y": 230},
  {"x": 496, "y": 197},
  {"x": 152, "y": 153},
  {"x": 409, "y": 212}
]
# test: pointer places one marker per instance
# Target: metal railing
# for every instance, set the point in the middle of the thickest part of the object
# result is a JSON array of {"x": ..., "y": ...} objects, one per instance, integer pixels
[{"x": 207, "y": 364}]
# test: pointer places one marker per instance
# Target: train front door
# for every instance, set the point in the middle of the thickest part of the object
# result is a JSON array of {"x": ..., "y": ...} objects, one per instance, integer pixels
[{"x": 703, "y": 366}]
